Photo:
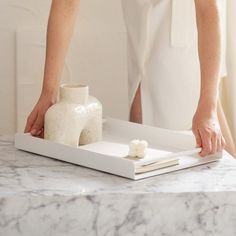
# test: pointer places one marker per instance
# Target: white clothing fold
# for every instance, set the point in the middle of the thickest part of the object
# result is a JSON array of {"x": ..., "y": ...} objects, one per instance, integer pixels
[{"x": 163, "y": 56}]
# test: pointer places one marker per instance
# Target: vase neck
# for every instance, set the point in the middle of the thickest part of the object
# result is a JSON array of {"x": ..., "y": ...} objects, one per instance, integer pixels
[{"x": 74, "y": 93}]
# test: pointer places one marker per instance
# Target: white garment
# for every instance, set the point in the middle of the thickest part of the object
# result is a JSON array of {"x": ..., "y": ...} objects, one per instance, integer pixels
[{"x": 163, "y": 56}]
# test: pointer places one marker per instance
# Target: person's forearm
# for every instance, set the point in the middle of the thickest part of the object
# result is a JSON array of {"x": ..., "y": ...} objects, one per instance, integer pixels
[
  {"x": 209, "y": 46},
  {"x": 59, "y": 32}
]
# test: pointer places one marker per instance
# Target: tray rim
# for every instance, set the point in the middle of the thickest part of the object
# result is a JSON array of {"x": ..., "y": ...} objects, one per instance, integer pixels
[{"x": 37, "y": 146}]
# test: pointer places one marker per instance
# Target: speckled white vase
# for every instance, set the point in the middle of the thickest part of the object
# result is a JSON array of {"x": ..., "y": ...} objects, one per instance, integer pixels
[{"x": 76, "y": 119}]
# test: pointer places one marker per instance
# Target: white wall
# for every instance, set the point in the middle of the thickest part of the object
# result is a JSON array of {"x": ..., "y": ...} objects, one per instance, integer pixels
[{"x": 97, "y": 56}]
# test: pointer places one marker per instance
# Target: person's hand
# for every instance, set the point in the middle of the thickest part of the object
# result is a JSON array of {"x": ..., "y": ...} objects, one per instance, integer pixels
[
  {"x": 35, "y": 121},
  {"x": 206, "y": 129}
]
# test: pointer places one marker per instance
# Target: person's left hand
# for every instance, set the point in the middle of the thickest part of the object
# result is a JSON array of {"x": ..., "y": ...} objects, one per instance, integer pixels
[{"x": 206, "y": 129}]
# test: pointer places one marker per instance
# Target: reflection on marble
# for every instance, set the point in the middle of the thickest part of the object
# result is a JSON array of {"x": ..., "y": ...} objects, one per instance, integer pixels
[{"x": 41, "y": 196}]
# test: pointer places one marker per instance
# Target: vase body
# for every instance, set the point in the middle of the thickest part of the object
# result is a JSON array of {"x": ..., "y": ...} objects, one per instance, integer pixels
[{"x": 76, "y": 119}]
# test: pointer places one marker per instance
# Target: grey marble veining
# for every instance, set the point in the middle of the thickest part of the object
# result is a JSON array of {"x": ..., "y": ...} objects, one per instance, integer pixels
[{"x": 41, "y": 196}]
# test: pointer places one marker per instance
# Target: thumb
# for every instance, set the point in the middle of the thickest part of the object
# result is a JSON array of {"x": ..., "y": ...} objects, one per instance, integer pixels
[{"x": 38, "y": 125}]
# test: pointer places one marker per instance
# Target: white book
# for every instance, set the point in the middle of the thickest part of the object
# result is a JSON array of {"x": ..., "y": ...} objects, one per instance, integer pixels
[{"x": 168, "y": 150}]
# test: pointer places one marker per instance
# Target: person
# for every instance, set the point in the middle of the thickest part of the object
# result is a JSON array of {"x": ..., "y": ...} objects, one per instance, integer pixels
[{"x": 167, "y": 67}]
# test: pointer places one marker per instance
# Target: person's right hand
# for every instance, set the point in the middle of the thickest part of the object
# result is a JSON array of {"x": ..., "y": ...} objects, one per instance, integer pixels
[{"x": 35, "y": 121}]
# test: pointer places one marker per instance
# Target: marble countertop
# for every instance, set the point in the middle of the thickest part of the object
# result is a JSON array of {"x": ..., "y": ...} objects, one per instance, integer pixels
[{"x": 41, "y": 196}]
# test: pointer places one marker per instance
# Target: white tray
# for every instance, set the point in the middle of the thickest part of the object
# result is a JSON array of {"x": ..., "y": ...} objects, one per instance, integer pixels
[{"x": 109, "y": 154}]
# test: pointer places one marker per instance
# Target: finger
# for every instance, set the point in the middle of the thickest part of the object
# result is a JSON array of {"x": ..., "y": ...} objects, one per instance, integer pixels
[
  {"x": 219, "y": 144},
  {"x": 223, "y": 142},
  {"x": 214, "y": 143},
  {"x": 37, "y": 125},
  {"x": 197, "y": 137},
  {"x": 30, "y": 121},
  {"x": 41, "y": 134},
  {"x": 206, "y": 143},
  {"x": 38, "y": 133}
]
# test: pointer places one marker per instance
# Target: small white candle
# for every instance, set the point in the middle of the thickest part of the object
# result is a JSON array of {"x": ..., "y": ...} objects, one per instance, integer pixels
[{"x": 138, "y": 148}]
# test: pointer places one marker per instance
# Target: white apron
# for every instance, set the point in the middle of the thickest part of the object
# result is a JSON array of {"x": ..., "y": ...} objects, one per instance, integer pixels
[{"x": 163, "y": 56}]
